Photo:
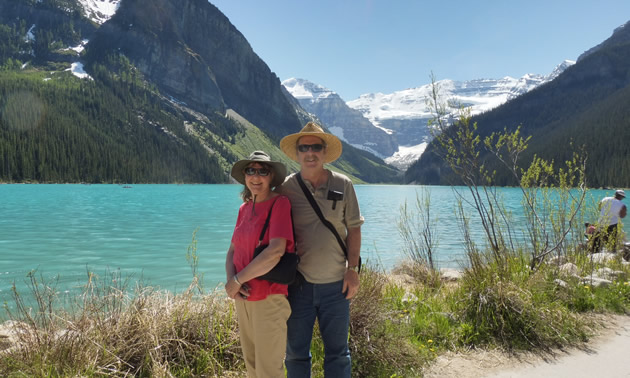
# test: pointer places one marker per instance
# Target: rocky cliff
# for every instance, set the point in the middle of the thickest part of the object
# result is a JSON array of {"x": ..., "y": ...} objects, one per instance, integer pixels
[{"x": 195, "y": 55}]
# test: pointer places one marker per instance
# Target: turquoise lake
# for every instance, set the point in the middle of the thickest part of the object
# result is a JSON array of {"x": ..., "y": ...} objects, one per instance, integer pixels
[{"x": 143, "y": 231}]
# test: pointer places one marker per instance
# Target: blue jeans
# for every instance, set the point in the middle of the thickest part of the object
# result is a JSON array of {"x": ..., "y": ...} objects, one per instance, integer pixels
[{"x": 329, "y": 305}]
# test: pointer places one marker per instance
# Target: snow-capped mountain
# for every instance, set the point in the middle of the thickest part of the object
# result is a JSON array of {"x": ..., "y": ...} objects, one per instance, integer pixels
[
  {"x": 99, "y": 11},
  {"x": 406, "y": 114},
  {"x": 346, "y": 123}
]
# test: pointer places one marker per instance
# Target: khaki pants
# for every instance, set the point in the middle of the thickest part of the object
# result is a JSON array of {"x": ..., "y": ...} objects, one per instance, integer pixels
[{"x": 263, "y": 331}]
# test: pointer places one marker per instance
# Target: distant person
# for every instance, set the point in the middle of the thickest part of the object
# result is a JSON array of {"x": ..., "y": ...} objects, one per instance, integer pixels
[
  {"x": 331, "y": 277},
  {"x": 261, "y": 307},
  {"x": 612, "y": 210}
]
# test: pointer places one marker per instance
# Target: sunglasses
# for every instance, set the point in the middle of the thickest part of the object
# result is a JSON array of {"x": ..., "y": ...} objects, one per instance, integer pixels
[
  {"x": 313, "y": 147},
  {"x": 263, "y": 172}
]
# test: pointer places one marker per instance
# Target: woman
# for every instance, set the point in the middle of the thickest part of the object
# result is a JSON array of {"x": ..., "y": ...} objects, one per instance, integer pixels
[{"x": 262, "y": 307}]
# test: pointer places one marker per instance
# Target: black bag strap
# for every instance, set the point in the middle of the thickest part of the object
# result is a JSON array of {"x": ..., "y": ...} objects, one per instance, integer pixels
[
  {"x": 325, "y": 221},
  {"x": 264, "y": 229}
]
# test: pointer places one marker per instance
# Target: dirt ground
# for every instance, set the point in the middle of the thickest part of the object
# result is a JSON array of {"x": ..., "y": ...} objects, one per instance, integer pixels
[{"x": 605, "y": 355}]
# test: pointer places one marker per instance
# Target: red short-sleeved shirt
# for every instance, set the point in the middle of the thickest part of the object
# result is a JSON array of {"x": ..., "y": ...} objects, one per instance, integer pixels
[{"x": 249, "y": 224}]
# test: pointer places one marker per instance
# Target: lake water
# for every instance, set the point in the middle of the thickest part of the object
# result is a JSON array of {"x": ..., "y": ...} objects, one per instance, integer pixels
[{"x": 144, "y": 231}]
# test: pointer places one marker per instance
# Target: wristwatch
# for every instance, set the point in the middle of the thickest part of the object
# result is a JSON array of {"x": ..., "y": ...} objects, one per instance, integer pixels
[
  {"x": 236, "y": 280},
  {"x": 355, "y": 268}
]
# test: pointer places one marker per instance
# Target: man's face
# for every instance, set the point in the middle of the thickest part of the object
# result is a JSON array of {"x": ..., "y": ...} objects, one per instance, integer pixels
[{"x": 307, "y": 155}]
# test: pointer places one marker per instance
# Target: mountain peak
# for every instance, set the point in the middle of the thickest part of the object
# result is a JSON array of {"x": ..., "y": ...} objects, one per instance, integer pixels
[
  {"x": 303, "y": 89},
  {"x": 560, "y": 69}
]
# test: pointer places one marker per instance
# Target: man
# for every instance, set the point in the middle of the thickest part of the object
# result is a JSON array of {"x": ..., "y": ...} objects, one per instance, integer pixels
[
  {"x": 612, "y": 210},
  {"x": 330, "y": 279}
]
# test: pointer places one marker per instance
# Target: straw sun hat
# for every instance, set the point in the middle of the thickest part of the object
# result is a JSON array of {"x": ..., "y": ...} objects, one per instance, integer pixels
[
  {"x": 279, "y": 170},
  {"x": 288, "y": 144}
]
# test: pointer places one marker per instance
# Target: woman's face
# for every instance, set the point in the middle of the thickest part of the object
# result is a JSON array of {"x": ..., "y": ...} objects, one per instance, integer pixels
[{"x": 257, "y": 182}]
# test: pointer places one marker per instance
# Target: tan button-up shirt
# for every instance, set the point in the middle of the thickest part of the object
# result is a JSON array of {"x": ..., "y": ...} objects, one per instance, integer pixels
[{"x": 322, "y": 259}]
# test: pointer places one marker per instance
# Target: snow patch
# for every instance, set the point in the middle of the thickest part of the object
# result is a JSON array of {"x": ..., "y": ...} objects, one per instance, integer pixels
[
  {"x": 100, "y": 10},
  {"x": 338, "y": 132},
  {"x": 78, "y": 48},
  {"x": 406, "y": 155},
  {"x": 30, "y": 37},
  {"x": 78, "y": 71}
]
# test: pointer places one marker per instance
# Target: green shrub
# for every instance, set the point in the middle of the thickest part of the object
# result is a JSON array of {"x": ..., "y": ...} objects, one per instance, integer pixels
[{"x": 379, "y": 344}]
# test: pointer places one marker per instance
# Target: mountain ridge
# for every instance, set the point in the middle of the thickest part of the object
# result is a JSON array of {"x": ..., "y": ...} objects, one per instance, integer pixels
[{"x": 584, "y": 106}]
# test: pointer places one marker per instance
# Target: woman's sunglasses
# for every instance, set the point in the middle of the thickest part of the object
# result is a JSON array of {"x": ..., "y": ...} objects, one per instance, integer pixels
[
  {"x": 313, "y": 147},
  {"x": 263, "y": 172}
]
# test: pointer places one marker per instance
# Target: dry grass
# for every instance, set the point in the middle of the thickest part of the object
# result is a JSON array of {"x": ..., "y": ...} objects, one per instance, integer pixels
[{"x": 114, "y": 333}]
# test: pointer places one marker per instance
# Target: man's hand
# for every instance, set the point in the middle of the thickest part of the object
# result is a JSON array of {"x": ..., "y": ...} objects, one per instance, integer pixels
[{"x": 350, "y": 283}]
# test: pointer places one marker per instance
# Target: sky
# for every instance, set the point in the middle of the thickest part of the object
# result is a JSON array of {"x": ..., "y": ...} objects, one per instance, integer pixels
[{"x": 355, "y": 47}]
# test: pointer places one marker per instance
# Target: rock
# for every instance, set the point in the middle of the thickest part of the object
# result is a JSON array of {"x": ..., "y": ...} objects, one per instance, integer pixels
[
  {"x": 602, "y": 257},
  {"x": 409, "y": 298},
  {"x": 560, "y": 283},
  {"x": 402, "y": 279},
  {"x": 449, "y": 274},
  {"x": 9, "y": 334},
  {"x": 596, "y": 281},
  {"x": 610, "y": 274},
  {"x": 569, "y": 269},
  {"x": 604, "y": 272}
]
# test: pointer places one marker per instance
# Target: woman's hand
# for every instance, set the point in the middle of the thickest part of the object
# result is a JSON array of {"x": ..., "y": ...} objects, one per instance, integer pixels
[{"x": 235, "y": 290}]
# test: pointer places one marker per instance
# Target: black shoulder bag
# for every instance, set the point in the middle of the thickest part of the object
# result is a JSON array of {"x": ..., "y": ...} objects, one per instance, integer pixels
[
  {"x": 285, "y": 270},
  {"x": 325, "y": 221}
]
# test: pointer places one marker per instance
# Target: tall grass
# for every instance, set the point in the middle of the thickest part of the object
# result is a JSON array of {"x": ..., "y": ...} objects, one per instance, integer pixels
[
  {"x": 418, "y": 231},
  {"x": 112, "y": 332}
]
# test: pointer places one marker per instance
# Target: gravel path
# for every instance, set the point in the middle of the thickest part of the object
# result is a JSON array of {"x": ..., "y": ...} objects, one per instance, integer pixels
[{"x": 605, "y": 355}]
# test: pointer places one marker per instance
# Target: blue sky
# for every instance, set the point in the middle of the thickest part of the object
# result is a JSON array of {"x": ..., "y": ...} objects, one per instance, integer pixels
[{"x": 364, "y": 46}]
